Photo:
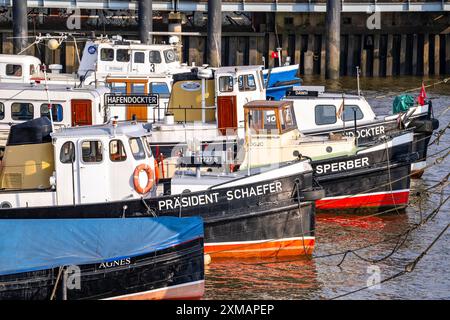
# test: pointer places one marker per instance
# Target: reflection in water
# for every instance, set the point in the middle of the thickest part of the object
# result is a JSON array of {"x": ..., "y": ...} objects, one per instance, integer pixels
[{"x": 319, "y": 277}]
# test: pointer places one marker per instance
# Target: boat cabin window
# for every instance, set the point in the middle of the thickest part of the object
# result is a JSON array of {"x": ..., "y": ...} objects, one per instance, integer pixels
[
  {"x": 247, "y": 82},
  {"x": 137, "y": 148},
  {"x": 22, "y": 111},
  {"x": 147, "y": 142},
  {"x": 117, "y": 151},
  {"x": 32, "y": 69},
  {"x": 57, "y": 112},
  {"x": 139, "y": 57},
  {"x": 92, "y": 151},
  {"x": 154, "y": 56},
  {"x": 160, "y": 88},
  {"x": 118, "y": 87},
  {"x": 67, "y": 154},
  {"x": 2, "y": 111},
  {"x": 138, "y": 88},
  {"x": 325, "y": 114},
  {"x": 107, "y": 54},
  {"x": 123, "y": 55},
  {"x": 263, "y": 121},
  {"x": 170, "y": 56},
  {"x": 14, "y": 70},
  {"x": 287, "y": 121},
  {"x": 226, "y": 84},
  {"x": 349, "y": 114}
]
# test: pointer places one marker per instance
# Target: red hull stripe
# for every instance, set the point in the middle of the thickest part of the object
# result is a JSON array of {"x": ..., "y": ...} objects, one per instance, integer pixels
[
  {"x": 373, "y": 200},
  {"x": 191, "y": 290},
  {"x": 261, "y": 249}
]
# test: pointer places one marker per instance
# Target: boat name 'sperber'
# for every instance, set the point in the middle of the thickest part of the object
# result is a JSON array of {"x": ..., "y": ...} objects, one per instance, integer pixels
[
  {"x": 230, "y": 195},
  {"x": 342, "y": 165}
]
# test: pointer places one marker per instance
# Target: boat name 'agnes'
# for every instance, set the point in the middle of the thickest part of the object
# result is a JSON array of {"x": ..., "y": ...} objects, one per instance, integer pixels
[
  {"x": 115, "y": 263},
  {"x": 342, "y": 165},
  {"x": 230, "y": 195}
]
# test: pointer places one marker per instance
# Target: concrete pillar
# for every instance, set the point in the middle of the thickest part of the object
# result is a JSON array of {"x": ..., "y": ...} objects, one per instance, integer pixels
[
  {"x": 272, "y": 48},
  {"x": 447, "y": 53},
  {"x": 214, "y": 32},
  {"x": 333, "y": 34},
  {"x": 376, "y": 55},
  {"x": 7, "y": 44},
  {"x": 253, "y": 51},
  {"x": 175, "y": 26},
  {"x": 414, "y": 55},
  {"x": 145, "y": 18},
  {"x": 351, "y": 49},
  {"x": 284, "y": 46},
  {"x": 323, "y": 57},
  {"x": 194, "y": 54},
  {"x": 298, "y": 48},
  {"x": 403, "y": 54},
  {"x": 20, "y": 25},
  {"x": 389, "y": 55},
  {"x": 426, "y": 54},
  {"x": 234, "y": 45},
  {"x": 437, "y": 49}
]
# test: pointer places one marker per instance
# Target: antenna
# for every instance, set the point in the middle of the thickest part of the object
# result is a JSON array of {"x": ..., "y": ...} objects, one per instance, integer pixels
[{"x": 357, "y": 80}]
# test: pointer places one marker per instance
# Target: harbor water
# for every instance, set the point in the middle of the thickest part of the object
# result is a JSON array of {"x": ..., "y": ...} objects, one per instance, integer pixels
[{"x": 327, "y": 275}]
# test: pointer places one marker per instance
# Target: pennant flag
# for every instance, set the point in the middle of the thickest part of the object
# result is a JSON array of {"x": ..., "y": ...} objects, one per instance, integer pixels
[{"x": 422, "y": 96}]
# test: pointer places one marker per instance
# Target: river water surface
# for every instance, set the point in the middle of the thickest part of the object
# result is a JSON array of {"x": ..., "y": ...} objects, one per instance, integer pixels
[{"x": 319, "y": 277}]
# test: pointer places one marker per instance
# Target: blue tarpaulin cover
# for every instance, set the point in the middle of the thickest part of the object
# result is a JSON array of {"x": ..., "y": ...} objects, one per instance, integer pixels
[{"x": 37, "y": 244}]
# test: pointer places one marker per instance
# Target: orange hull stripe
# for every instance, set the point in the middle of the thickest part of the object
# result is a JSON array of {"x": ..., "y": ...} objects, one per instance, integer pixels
[
  {"x": 365, "y": 201},
  {"x": 262, "y": 249}
]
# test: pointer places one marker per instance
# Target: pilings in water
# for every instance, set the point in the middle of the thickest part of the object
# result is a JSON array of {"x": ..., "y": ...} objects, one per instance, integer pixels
[
  {"x": 214, "y": 42},
  {"x": 145, "y": 18},
  {"x": 333, "y": 42},
  {"x": 20, "y": 25}
]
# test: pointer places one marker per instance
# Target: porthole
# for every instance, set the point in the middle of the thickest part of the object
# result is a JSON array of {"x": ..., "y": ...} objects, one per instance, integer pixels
[{"x": 329, "y": 149}]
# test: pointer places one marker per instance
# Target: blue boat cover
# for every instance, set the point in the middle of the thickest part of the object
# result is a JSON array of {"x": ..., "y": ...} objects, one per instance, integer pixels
[{"x": 38, "y": 244}]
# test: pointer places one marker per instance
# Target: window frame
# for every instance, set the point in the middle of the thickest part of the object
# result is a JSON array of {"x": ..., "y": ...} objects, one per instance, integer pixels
[
  {"x": 134, "y": 57},
  {"x": 113, "y": 57},
  {"x": 144, "y": 153},
  {"x": 52, "y": 104},
  {"x": 29, "y": 104},
  {"x": 127, "y": 54},
  {"x": 74, "y": 152},
  {"x": 2, "y": 113},
  {"x": 13, "y": 65},
  {"x": 245, "y": 86},
  {"x": 232, "y": 83},
  {"x": 123, "y": 148},
  {"x": 351, "y": 106},
  {"x": 82, "y": 156},
  {"x": 324, "y": 105},
  {"x": 150, "y": 53}
]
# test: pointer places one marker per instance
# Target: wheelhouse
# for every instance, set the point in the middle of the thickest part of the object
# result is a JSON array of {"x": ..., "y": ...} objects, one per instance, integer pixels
[{"x": 18, "y": 68}]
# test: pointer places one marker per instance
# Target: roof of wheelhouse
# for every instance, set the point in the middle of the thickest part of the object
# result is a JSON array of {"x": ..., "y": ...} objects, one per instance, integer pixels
[{"x": 127, "y": 128}]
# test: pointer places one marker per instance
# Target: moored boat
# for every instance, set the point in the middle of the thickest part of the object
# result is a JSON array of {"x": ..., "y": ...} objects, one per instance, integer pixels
[
  {"x": 72, "y": 259},
  {"x": 108, "y": 171},
  {"x": 319, "y": 112},
  {"x": 375, "y": 177}
]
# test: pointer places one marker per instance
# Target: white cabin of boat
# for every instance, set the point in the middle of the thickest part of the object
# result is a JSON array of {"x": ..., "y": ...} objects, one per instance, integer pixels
[
  {"x": 108, "y": 56},
  {"x": 72, "y": 166},
  {"x": 271, "y": 129},
  {"x": 70, "y": 106},
  {"x": 319, "y": 110},
  {"x": 18, "y": 68}
]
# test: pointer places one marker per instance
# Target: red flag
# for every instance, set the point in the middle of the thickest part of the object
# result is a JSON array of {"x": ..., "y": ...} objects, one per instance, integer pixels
[
  {"x": 274, "y": 55},
  {"x": 422, "y": 96}
]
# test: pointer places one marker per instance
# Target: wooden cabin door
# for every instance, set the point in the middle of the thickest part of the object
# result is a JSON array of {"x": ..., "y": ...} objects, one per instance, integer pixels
[
  {"x": 139, "y": 111},
  {"x": 81, "y": 112},
  {"x": 226, "y": 113}
]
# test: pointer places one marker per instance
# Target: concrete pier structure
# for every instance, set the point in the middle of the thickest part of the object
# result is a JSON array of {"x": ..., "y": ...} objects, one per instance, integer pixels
[
  {"x": 333, "y": 42},
  {"x": 214, "y": 32},
  {"x": 20, "y": 25},
  {"x": 413, "y": 37},
  {"x": 145, "y": 18}
]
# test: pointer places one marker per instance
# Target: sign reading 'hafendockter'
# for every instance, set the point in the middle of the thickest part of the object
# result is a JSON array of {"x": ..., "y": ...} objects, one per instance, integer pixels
[{"x": 113, "y": 99}]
